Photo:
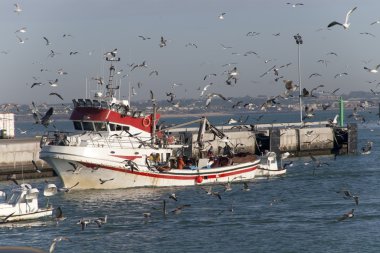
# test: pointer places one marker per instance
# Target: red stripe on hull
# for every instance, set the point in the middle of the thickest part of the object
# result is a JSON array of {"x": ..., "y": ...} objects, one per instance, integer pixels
[
  {"x": 127, "y": 157},
  {"x": 189, "y": 177}
]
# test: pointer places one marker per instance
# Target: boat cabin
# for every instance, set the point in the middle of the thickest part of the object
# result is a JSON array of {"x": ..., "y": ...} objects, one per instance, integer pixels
[{"x": 22, "y": 200}]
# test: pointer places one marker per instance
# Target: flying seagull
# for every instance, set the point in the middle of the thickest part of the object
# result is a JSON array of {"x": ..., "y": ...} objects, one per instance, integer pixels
[
  {"x": 17, "y": 8},
  {"x": 54, "y": 242},
  {"x": 221, "y": 16},
  {"x": 294, "y": 5},
  {"x": 56, "y": 94},
  {"x": 345, "y": 24},
  {"x": 47, "y": 41},
  {"x": 374, "y": 70},
  {"x": 163, "y": 42}
]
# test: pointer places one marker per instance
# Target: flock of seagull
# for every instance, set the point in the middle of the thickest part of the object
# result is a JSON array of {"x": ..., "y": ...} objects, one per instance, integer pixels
[{"x": 229, "y": 77}]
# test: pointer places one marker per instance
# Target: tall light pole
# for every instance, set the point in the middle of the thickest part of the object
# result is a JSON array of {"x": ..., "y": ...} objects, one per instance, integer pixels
[{"x": 299, "y": 42}]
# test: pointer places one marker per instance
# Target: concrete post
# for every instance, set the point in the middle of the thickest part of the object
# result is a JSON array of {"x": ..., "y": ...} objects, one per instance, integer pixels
[{"x": 341, "y": 112}]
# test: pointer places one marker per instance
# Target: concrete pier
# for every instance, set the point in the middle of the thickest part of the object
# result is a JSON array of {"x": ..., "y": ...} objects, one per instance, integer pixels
[
  {"x": 16, "y": 157},
  {"x": 316, "y": 138}
]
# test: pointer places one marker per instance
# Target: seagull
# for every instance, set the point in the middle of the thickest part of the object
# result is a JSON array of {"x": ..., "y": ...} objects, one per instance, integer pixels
[
  {"x": 191, "y": 44},
  {"x": 294, "y": 5},
  {"x": 163, "y": 42},
  {"x": 367, "y": 33},
  {"x": 56, "y": 94},
  {"x": 20, "y": 40},
  {"x": 347, "y": 215},
  {"x": 36, "y": 83},
  {"x": 84, "y": 222},
  {"x": 101, "y": 220},
  {"x": 314, "y": 74},
  {"x": 367, "y": 148},
  {"x": 204, "y": 89},
  {"x": 347, "y": 195},
  {"x": 179, "y": 209},
  {"x": 22, "y": 131},
  {"x": 225, "y": 47},
  {"x": 153, "y": 72},
  {"x": 221, "y": 16},
  {"x": 374, "y": 70},
  {"x": 340, "y": 74},
  {"x": 144, "y": 38},
  {"x": 17, "y": 8},
  {"x": 54, "y": 242},
  {"x": 47, "y": 41},
  {"x": 309, "y": 112},
  {"x": 111, "y": 53},
  {"x": 245, "y": 187},
  {"x": 67, "y": 189},
  {"x": 210, "y": 192},
  {"x": 36, "y": 167},
  {"x": 212, "y": 95},
  {"x": 54, "y": 83},
  {"x": 102, "y": 181},
  {"x": 61, "y": 72},
  {"x": 332, "y": 53},
  {"x": 21, "y": 30},
  {"x": 345, "y": 25},
  {"x": 375, "y": 22},
  {"x": 12, "y": 178},
  {"x": 173, "y": 197},
  {"x": 208, "y": 75}
]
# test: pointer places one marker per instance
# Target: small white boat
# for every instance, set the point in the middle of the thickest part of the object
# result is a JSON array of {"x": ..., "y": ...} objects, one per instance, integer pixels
[
  {"x": 22, "y": 204},
  {"x": 268, "y": 166}
]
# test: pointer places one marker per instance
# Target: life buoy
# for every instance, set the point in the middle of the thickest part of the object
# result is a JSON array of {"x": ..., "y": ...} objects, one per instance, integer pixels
[
  {"x": 146, "y": 121},
  {"x": 199, "y": 179}
]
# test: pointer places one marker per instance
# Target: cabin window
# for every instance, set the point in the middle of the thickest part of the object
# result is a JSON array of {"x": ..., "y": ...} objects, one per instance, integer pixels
[
  {"x": 126, "y": 128},
  {"x": 112, "y": 127},
  {"x": 100, "y": 126},
  {"x": 88, "y": 126},
  {"x": 118, "y": 128},
  {"x": 13, "y": 199},
  {"x": 77, "y": 125}
]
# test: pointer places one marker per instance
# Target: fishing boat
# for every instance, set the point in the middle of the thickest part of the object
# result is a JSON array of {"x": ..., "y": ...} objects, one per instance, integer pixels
[
  {"x": 22, "y": 204},
  {"x": 114, "y": 146},
  {"x": 268, "y": 166}
]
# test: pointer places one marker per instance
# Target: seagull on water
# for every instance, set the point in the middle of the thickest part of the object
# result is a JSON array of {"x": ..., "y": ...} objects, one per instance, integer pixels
[
  {"x": 345, "y": 24},
  {"x": 347, "y": 215}
]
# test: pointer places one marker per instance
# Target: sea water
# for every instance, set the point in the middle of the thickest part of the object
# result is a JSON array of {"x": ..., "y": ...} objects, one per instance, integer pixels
[{"x": 297, "y": 212}]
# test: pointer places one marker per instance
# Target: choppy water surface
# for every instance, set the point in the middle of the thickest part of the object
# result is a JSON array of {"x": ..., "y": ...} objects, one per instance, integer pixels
[{"x": 294, "y": 213}]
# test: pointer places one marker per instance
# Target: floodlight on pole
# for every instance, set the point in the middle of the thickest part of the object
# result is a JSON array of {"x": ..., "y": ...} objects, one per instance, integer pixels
[{"x": 299, "y": 42}]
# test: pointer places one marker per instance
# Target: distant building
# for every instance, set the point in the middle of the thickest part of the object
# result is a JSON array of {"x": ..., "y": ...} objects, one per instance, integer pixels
[{"x": 7, "y": 125}]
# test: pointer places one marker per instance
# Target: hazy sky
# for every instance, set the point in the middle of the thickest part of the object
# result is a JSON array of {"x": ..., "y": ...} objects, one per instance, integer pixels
[{"x": 93, "y": 27}]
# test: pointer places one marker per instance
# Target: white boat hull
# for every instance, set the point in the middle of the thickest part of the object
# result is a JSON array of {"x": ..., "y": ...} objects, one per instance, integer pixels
[
  {"x": 29, "y": 216},
  {"x": 115, "y": 175}
]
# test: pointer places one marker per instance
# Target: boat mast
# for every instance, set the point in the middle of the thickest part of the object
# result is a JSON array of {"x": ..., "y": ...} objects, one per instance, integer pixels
[{"x": 110, "y": 89}]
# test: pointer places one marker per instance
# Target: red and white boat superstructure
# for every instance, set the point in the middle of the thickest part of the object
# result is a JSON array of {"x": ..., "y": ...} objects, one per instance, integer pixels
[{"x": 113, "y": 148}]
